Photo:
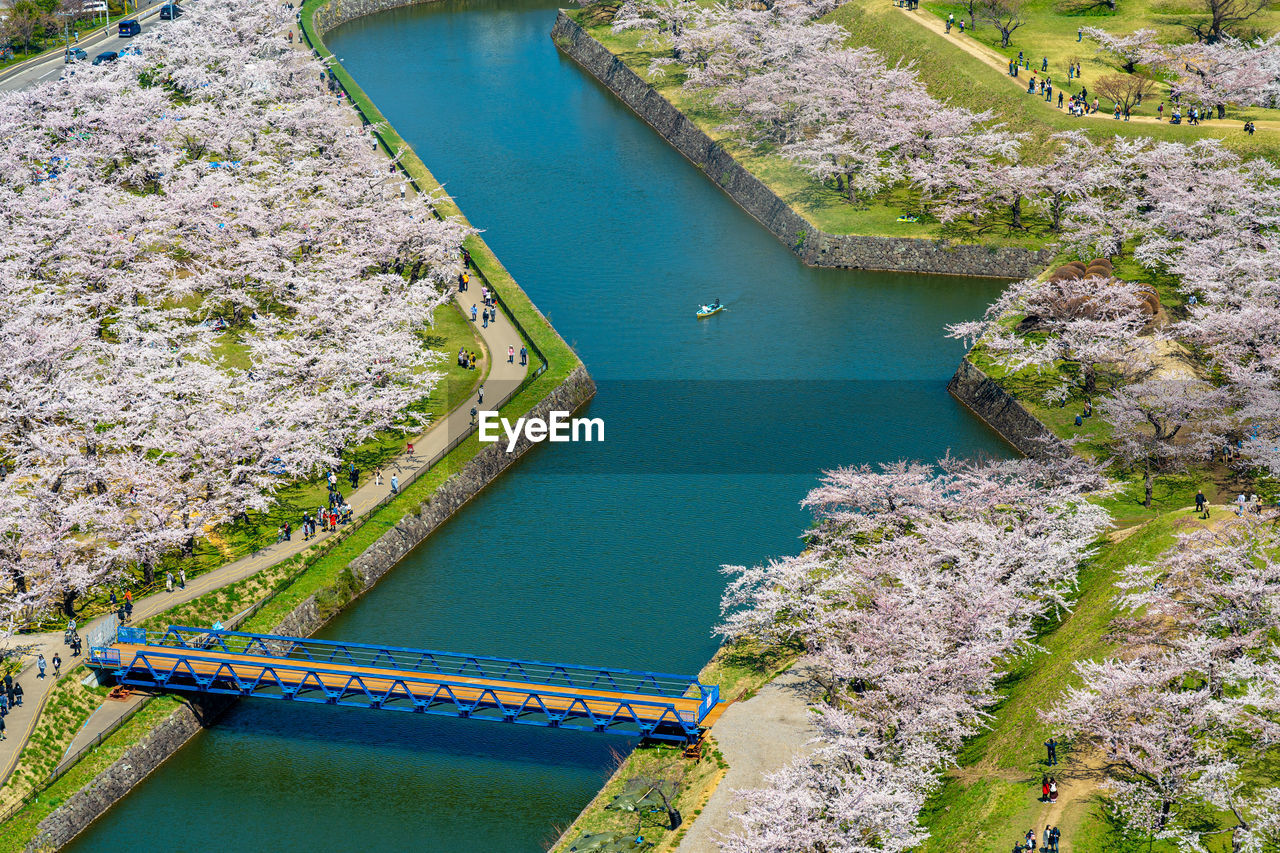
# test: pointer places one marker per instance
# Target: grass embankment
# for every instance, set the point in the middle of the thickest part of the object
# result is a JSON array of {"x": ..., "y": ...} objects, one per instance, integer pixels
[
  {"x": 1050, "y": 29},
  {"x": 820, "y": 204},
  {"x": 739, "y": 671},
  {"x": 991, "y": 800},
  {"x": 950, "y": 73},
  {"x": 322, "y": 572},
  {"x": 21, "y": 828}
]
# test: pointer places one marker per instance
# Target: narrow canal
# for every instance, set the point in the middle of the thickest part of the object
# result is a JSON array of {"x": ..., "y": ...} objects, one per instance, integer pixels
[{"x": 593, "y": 554}]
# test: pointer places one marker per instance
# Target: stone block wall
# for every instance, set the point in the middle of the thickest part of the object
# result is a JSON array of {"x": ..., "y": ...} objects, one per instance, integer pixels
[{"x": 1002, "y": 412}]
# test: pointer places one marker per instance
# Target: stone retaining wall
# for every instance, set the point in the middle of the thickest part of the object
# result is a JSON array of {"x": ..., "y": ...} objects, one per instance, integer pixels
[
  {"x": 168, "y": 736},
  {"x": 337, "y": 12},
  {"x": 113, "y": 784},
  {"x": 814, "y": 247},
  {"x": 1002, "y": 412}
]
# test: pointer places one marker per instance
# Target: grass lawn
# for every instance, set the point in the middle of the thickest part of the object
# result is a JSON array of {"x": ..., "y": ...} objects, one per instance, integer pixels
[
  {"x": 1050, "y": 31},
  {"x": 950, "y": 73},
  {"x": 993, "y": 797}
]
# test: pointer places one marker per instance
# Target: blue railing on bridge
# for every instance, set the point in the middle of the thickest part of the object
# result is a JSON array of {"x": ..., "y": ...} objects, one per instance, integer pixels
[{"x": 415, "y": 660}]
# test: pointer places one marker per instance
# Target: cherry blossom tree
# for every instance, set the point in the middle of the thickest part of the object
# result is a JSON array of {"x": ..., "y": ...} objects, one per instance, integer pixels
[
  {"x": 1180, "y": 717},
  {"x": 1162, "y": 425},
  {"x": 918, "y": 583},
  {"x": 1081, "y": 323},
  {"x": 212, "y": 290},
  {"x": 1129, "y": 50}
]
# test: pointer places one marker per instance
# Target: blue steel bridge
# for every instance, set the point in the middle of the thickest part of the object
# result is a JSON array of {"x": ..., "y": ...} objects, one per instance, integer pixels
[{"x": 654, "y": 705}]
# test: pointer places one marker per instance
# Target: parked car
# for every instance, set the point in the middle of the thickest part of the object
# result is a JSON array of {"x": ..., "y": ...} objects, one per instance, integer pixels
[
  {"x": 106, "y": 56},
  {"x": 129, "y": 28},
  {"x": 170, "y": 12},
  {"x": 75, "y": 53}
]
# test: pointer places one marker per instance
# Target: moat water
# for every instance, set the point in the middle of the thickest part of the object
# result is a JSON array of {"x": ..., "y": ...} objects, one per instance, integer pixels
[{"x": 596, "y": 554}]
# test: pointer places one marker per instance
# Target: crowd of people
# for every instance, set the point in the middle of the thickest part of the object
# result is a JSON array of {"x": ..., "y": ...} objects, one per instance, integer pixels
[{"x": 10, "y": 698}]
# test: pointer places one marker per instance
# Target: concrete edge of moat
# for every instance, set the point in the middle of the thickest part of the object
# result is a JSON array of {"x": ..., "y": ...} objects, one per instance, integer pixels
[
  {"x": 169, "y": 735},
  {"x": 815, "y": 248}
]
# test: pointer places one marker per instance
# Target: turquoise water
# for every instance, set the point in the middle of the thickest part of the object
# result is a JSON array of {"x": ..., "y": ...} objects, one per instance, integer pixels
[{"x": 604, "y": 554}]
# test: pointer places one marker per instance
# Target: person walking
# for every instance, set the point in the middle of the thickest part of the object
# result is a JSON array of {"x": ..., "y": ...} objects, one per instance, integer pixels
[
  {"x": 1044, "y": 64},
  {"x": 1053, "y": 839},
  {"x": 17, "y": 694},
  {"x": 473, "y": 312},
  {"x": 355, "y": 477},
  {"x": 1044, "y": 789},
  {"x": 57, "y": 664},
  {"x": 511, "y": 354},
  {"x": 486, "y": 318},
  {"x": 182, "y": 578},
  {"x": 168, "y": 581},
  {"x": 1051, "y": 746},
  {"x": 2, "y": 737},
  {"x": 1048, "y": 838},
  {"x": 480, "y": 394},
  {"x": 377, "y": 476},
  {"x": 524, "y": 356},
  {"x": 395, "y": 485},
  {"x": 1053, "y": 790},
  {"x": 41, "y": 664},
  {"x": 1079, "y": 33},
  {"x": 1200, "y": 500}
]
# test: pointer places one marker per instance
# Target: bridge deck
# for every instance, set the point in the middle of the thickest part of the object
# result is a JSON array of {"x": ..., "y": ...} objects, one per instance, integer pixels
[{"x": 423, "y": 685}]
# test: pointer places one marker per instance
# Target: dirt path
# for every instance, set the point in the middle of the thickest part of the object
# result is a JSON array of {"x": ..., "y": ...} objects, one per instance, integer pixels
[
  {"x": 757, "y": 737},
  {"x": 990, "y": 57}
]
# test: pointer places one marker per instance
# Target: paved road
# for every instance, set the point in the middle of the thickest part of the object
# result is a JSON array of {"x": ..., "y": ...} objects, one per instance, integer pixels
[{"x": 93, "y": 43}]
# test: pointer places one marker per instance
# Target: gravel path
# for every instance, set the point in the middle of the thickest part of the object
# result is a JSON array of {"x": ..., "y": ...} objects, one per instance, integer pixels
[{"x": 757, "y": 737}]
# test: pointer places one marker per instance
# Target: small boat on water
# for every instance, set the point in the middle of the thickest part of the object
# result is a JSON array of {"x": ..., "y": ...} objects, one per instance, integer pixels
[{"x": 708, "y": 310}]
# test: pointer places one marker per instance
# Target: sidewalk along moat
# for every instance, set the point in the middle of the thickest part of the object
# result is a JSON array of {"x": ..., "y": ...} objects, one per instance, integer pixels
[{"x": 590, "y": 553}]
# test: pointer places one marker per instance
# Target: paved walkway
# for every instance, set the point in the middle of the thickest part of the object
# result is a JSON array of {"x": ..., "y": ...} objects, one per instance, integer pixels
[
  {"x": 991, "y": 57},
  {"x": 757, "y": 737},
  {"x": 503, "y": 377}
]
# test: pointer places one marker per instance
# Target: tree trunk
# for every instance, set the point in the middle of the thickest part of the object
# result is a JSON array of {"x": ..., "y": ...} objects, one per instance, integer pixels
[
  {"x": 1148, "y": 483},
  {"x": 1090, "y": 378},
  {"x": 148, "y": 573},
  {"x": 1222, "y": 110},
  {"x": 1016, "y": 210},
  {"x": 69, "y": 602}
]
